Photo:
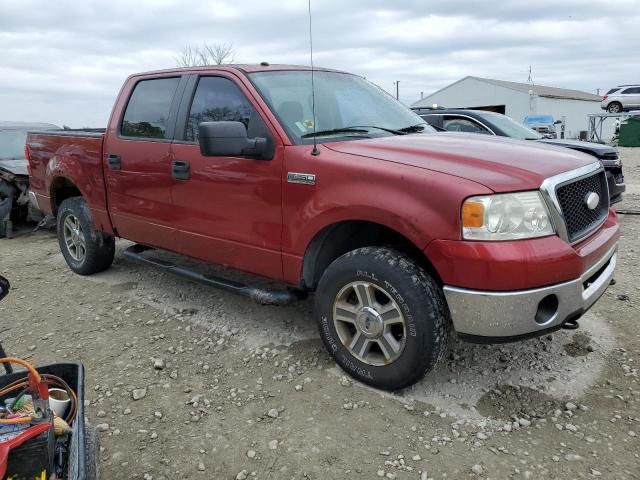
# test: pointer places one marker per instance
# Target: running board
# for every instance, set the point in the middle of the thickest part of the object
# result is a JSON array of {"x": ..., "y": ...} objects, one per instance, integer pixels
[{"x": 259, "y": 295}]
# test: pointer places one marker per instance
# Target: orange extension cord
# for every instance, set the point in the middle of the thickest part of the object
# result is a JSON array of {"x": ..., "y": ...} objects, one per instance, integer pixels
[{"x": 36, "y": 375}]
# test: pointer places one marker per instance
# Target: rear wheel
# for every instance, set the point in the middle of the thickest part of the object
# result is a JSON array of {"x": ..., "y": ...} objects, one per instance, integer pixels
[
  {"x": 614, "y": 107},
  {"x": 85, "y": 249},
  {"x": 382, "y": 317}
]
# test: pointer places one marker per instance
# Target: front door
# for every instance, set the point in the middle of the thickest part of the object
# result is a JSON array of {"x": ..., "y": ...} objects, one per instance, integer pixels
[
  {"x": 138, "y": 165},
  {"x": 228, "y": 209}
]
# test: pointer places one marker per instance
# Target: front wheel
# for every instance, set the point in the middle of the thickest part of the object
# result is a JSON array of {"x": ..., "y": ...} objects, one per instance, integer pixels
[
  {"x": 85, "y": 249},
  {"x": 382, "y": 317}
]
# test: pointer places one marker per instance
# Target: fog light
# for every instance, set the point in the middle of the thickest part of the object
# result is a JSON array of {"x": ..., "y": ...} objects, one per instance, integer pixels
[{"x": 547, "y": 308}]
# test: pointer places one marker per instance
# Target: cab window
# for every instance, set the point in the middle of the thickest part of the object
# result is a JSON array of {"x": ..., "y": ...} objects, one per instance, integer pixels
[
  {"x": 147, "y": 113},
  {"x": 219, "y": 99},
  {"x": 456, "y": 124}
]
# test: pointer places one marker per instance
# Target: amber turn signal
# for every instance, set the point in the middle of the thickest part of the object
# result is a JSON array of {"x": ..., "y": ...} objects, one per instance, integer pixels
[{"x": 472, "y": 214}]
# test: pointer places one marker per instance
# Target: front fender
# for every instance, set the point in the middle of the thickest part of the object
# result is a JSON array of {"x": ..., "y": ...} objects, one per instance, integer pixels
[{"x": 419, "y": 204}]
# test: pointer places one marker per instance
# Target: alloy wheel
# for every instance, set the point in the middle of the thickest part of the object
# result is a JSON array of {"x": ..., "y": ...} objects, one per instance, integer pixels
[{"x": 369, "y": 323}]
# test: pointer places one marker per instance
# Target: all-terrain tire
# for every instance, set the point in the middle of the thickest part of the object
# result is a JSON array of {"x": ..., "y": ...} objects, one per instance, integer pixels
[
  {"x": 391, "y": 275},
  {"x": 99, "y": 248}
]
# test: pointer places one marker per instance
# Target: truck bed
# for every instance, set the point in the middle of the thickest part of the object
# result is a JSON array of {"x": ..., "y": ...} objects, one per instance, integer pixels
[
  {"x": 77, "y": 153},
  {"x": 72, "y": 132}
]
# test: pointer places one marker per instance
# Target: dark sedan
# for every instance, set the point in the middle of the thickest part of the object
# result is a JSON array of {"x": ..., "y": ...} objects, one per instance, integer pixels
[{"x": 491, "y": 123}]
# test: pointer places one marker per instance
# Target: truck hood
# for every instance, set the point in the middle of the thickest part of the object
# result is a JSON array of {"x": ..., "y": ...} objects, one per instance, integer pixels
[
  {"x": 499, "y": 163},
  {"x": 16, "y": 167}
]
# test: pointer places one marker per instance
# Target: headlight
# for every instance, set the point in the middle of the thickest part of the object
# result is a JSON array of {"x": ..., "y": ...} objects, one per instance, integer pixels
[{"x": 508, "y": 216}]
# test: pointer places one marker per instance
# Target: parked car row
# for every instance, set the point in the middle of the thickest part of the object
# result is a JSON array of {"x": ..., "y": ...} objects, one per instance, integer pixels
[{"x": 491, "y": 123}]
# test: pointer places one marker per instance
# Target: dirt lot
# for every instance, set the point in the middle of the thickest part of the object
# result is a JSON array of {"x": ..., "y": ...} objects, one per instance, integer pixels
[{"x": 243, "y": 391}]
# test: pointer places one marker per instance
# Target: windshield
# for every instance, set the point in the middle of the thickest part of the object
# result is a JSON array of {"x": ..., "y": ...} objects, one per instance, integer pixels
[
  {"x": 343, "y": 102},
  {"x": 12, "y": 144},
  {"x": 510, "y": 127}
]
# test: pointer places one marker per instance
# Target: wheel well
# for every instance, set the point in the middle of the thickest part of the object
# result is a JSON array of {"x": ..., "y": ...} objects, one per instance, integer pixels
[
  {"x": 61, "y": 189},
  {"x": 337, "y": 239}
]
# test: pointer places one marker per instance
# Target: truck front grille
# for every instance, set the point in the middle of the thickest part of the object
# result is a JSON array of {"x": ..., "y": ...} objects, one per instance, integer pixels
[{"x": 572, "y": 197}]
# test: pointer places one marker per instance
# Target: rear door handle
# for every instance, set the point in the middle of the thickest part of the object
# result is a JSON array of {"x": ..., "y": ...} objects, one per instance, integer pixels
[
  {"x": 180, "y": 170},
  {"x": 114, "y": 161}
]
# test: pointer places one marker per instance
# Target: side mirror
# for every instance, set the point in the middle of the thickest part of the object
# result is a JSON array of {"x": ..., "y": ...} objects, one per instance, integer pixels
[
  {"x": 4, "y": 287},
  {"x": 229, "y": 139}
]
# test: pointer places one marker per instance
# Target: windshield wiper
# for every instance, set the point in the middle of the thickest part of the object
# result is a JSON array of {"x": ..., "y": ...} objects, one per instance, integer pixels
[
  {"x": 413, "y": 128},
  {"x": 332, "y": 131},
  {"x": 359, "y": 129},
  {"x": 384, "y": 129}
]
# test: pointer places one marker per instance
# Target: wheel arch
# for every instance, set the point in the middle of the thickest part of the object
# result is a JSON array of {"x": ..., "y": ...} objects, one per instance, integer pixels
[
  {"x": 341, "y": 237},
  {"x": 60, "y": 189}
]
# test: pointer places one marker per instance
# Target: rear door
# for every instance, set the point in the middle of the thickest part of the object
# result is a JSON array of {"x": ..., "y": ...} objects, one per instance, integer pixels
[
  {"x": 228, "y": 209},
  {"x": 137, "y": 153},
  {"x": 631, "y": 97}
]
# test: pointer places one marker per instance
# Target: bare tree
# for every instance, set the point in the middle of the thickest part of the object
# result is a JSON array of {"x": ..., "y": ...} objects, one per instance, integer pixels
[
  {"x": 188, "y": 57},
  {"x": 208, "y": 54}
]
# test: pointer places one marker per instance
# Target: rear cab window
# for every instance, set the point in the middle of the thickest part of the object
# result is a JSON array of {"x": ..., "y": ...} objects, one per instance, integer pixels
[
  {"x": 613, "y": 90},
  {"x": 147, "y": 112}
]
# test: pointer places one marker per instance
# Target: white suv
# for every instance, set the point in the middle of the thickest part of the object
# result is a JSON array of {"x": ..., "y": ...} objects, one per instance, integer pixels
[{"x": 622, "y": 99}]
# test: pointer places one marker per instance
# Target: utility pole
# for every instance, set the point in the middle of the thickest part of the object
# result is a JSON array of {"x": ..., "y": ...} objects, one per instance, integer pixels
[{"x": 397, "y": 84}]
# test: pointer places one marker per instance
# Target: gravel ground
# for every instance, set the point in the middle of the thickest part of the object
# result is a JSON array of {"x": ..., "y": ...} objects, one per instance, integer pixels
[{"x": 188, "y": 382}]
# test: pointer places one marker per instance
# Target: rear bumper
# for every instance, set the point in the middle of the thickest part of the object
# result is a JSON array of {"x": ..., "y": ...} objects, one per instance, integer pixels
[{"x": 489, "y": 314}]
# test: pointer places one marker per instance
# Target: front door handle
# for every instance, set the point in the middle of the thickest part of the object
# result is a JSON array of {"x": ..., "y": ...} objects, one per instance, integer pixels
[
  {"x": 180, "y": 170},
  {"x": 114, "y": 161}
]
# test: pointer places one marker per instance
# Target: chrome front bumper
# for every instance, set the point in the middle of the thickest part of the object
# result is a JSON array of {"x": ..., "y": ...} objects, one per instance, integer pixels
[{"x": 511, "y": 314}]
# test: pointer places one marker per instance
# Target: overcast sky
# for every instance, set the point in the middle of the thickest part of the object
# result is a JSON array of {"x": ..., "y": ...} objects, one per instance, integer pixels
[{"x": 64, "y": 61}]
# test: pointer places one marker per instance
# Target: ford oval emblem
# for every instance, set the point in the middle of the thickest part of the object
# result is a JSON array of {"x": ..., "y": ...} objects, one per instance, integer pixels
[{"x": 592, "y": 199}]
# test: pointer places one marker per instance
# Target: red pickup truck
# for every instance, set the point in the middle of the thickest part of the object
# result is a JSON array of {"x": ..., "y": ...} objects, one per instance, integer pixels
[{"x": 402, "y": 233}]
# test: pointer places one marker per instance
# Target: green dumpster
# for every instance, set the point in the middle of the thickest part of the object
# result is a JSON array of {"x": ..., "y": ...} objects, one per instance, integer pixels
[{"x": 630, "y": 132}]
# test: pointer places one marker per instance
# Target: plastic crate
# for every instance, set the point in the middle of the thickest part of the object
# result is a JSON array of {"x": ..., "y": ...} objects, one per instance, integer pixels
[{"x": 73, "y": 374}]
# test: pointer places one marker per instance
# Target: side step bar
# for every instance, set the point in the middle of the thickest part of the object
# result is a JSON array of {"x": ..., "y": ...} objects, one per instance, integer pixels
[{"x": 259, "y": 295}]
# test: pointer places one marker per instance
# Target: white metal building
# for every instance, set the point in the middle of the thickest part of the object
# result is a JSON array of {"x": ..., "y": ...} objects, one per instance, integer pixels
[{"x": 517, "y": 100}]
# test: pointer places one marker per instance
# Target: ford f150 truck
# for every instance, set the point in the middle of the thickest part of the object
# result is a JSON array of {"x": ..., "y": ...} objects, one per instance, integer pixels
[{"x": 402, "y": 233}]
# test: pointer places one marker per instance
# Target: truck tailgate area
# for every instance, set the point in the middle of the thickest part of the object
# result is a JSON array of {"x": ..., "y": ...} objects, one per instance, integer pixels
[{"x": 73, "y": 159}]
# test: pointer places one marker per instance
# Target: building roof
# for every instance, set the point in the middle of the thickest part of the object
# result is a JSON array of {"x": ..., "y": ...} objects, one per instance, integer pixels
[
  {"x": 540, "y": 90},
  {"x": 5, "y": 125}
]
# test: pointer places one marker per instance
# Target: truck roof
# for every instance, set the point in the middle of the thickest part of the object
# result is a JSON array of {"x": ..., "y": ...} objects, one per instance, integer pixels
[{"x": 243, "y": 67}]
